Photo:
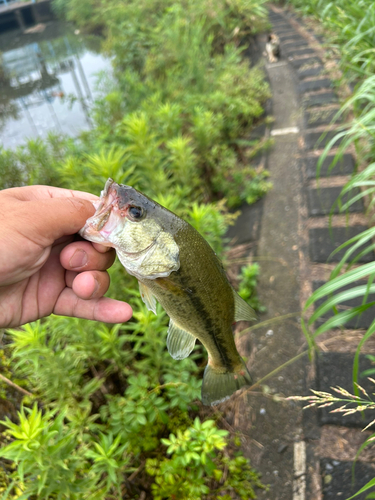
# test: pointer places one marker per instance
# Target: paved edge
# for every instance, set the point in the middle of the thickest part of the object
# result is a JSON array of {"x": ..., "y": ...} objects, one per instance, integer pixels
[{"x": 272, "y": 425}]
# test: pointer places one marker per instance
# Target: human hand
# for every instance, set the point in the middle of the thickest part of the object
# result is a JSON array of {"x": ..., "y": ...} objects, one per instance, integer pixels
[{"x": 43, "y": 269}]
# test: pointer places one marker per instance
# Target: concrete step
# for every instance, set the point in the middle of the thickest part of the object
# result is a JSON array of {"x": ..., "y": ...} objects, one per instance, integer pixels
[
  {"x": 318, "y": 140},
  {"x": 316, "y": 116},
  {"x": 305, "y": 62},
  {"x": 339, "y": 481},
  {"x": 320, "y": 201},
  {"x": 311, "y": 85},
  {"x": 299, "y": 51},
  {"x": 323, "y": 241},
  {"x": 319, "y": 99},
  {"x": 344, "y": 166},
  {"x": 291, "y": 36},
  {"x": 294, "y": 44},
  {"x": 307, "y": 73}
]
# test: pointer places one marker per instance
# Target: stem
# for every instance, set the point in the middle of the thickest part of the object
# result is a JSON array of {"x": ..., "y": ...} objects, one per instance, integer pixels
[
  {"x": 12, "y": 384},
  {"x": 132, "y": 476}
]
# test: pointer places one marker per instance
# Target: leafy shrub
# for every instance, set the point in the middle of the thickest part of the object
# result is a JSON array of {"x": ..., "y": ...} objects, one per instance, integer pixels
[
  {"x": 247, "y": 286},
  {"x": 172, "y": 122},
  {"x": 195, "y": 466},
  {"x": 185, "y": 92},
  {"x": 109, "y": 398},
  {"x": 34, "y": 163}
]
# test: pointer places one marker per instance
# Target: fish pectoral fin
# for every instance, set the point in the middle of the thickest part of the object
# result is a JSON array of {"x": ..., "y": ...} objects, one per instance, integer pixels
[
  {"x": 242, "y": 310},
  {"x": 147, "y": 297},
  {"x": 219, "y": 385},
  {"x": 180, "y": 343}
]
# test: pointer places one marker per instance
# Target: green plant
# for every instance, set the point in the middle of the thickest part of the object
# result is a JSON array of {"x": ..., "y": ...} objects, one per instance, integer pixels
[
  {"x": 40, "y": 449},
  {"x": 238, "y": 183},
  {"x": 195, "y": 468},
  {"x": 110, "y": 395},
  {"x": 247, "y": 287},
  {"x": 36, "y": 162}
]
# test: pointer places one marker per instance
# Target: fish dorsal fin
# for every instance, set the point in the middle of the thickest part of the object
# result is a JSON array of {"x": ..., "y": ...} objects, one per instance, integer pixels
[
  {"x": 180, "y": 343},
  {"x": 147, "y": 297},
  {"x": 242, "y": 310}
]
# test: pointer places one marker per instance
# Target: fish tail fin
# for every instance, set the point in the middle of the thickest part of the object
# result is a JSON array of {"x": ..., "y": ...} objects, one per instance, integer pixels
[{"x": 218, "y": 386}]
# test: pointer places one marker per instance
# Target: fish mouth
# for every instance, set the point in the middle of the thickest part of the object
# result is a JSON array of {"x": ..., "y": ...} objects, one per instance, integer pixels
[
  {"x": 109, "y": 216},
  {"x": 101, "y": 224}
]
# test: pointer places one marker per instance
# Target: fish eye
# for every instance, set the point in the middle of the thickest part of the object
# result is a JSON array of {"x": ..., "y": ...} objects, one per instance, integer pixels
[{"x": 135, "y": 213}]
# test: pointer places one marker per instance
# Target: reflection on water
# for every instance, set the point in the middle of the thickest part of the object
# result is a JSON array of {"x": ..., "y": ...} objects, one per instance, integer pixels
[{"x": 47, "y": 82}]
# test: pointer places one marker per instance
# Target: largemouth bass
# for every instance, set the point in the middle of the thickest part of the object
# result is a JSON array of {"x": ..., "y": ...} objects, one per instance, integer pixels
[{"x": 176, "y": 266}]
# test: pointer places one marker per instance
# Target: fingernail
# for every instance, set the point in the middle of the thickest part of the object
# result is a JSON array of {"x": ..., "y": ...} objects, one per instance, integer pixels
[{"x": 79, "y": 259}]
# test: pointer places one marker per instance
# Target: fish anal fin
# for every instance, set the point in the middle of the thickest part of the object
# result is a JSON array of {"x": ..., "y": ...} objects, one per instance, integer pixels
[
  {"x": 147, "y": 297},
  {"x": 180, "y": 343},
  {"x": 242, "y": 310},
  {"x": 218, "y": 386}
]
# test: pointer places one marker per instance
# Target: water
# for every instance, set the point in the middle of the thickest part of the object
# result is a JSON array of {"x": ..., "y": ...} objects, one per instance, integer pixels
[{"x": 47, "y": 82}]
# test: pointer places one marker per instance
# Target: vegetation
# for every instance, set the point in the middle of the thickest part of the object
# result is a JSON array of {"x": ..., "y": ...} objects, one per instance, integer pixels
[
  {"x": 112, "y": 415},
  {"x": 247, "y": 287}
]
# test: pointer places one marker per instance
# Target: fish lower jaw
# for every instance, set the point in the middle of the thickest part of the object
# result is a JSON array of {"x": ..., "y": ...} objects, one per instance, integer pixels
[{"x": 91, "y": 234}]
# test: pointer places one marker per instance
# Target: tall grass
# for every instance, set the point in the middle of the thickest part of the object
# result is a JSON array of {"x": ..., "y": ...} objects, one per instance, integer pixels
[{"x": 349, "y": 28}]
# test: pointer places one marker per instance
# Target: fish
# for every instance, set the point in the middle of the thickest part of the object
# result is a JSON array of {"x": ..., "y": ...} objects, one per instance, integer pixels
[{"x": 175, "y": 266}]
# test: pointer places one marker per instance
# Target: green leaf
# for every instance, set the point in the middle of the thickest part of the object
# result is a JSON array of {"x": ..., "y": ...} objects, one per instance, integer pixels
[
  {"x": 342, "y": 318},
  {"x": 141, "y": 419},
  {"x": 364, "y": 488},
  {"x": 340, "y": 282},
  {"x": 340, "y": 297}
]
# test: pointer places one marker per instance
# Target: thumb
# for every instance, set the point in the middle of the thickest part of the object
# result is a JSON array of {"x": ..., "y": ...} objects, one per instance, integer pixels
[{"x": 47, "y": 220}]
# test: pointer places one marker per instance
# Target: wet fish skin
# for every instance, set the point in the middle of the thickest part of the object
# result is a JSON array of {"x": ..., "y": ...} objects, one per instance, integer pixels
[{"x": 174, "y": 264}]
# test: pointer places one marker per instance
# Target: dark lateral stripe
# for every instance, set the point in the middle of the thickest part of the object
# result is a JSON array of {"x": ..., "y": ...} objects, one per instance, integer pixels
[{"x": 208, "y": 323}]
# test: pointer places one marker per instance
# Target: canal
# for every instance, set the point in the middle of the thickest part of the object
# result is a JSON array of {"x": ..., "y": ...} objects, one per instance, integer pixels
[{"x": 48, "y": 80}]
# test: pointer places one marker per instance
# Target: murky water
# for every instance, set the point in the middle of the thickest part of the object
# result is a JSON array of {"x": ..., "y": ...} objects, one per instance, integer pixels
[{"x": 47, "y": 82}]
